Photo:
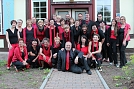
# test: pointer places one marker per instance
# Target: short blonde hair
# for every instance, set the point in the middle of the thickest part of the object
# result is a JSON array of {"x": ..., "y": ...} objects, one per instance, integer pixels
[
  {"x": 66, "y": 26},
  {"x": 123, "y": 17},
  {"x": 58, "y": 16},
  {"x": 57, "y": 38},
  {"x": 40, "y": 21},
  {"x": 29, "y": 20}
]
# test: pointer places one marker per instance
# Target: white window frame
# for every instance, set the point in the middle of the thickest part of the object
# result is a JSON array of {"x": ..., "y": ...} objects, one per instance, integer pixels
[
  {"x": 103, "y": 5},
  {"x": 39, "y": 1}
]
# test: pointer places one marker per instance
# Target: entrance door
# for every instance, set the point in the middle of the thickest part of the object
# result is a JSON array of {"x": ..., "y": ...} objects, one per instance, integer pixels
[{"x": 73, "y": 12}]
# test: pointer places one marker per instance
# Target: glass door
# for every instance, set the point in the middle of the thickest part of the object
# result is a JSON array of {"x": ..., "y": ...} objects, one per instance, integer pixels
[{"x": 63, "y": 12}]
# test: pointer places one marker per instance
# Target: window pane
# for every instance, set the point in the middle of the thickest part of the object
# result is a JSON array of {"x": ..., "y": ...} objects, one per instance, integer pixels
[
  {"x": 107, "y": 13},
  {"x": 100, "y": 2},
  {"x": 107, "y": 2},
  {"x": 107, "y": 8},
  {"x": 36, "y": 15},
  {"x": 36, "y": 9},
  {"x": 107, "y": 19},
  {"x": 42, "y": 4},
  {"x": 62, "y": 13},
  {"x": 42, "y": 9},
  {"x": 100, "y": 13},
  {"x": 100, "y": 8},
  {"x": 36, "y": 4},
  {"x": 43, "y": 15}
]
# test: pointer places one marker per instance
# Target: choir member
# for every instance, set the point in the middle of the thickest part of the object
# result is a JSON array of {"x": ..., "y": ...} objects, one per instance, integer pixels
[
  {"x": 29, "y": 33},
  {"x": 34, "y": 52},
  {"x": 99, "y": 20},
  {"x": 72, "y": 60},
  {"x": 67, "y": 35},
  {"x": 67, "y": 19},
  {"x": 40, "y": 31},
  {"x": 34, "y": 24},
  {"x": 19, "y": 27},
  {"x": 51, "y": 32},
  {"x": 20, "y": 56},
  {"x": 112, "y": 36},
  {"x": 55, "y": 49},
  {"x": 45, "y": 54},
  {"x": 46, "y": 22},
  {"x": 124, "y": 38},
  {"x": 80, "y": 18},
  {"x": 58, "y": 18},
  {"x": 71, "y": 22},
  {"x": 94, "y": 50},
  {"x": 12, "y": 35}
]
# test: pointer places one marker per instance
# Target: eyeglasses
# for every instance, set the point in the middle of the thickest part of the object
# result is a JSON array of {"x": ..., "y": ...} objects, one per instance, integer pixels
[{"x": 121, "y": 19}]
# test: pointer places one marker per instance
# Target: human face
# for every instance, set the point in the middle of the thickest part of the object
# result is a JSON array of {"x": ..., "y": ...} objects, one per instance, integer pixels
[
  {"x": 122, "y": 20},
  {"x": 21, "y": 43},
  {"x": 57, "y": 41},
  {"x": 117, "y": 18},
  {"x": 40, "y": 24},
  {"x": 67, "y": 16},
  {"x": 51, "y": 22},
  {"x": 87, "y": 16},
  {"x": 67, "y": 30},
  {"x": 100, "y": 17},
  {"x": 94, "y": 28},
  {"x": 80, "y": 17},
  {"x": 54, "y": 17},
  {"x": 62, "y": 22},
  {"x": 29, "y": 23},
  {"x": 34, "y": 43},
  {"x": 76, "y": 23},
  {"x": 71, "y": 21},
  {"x": 95, "y": 38},
  {"x": 34, "y": 20},
  {"x": 13, "y": 24},
  {"x": 46, "y": 22},
  {"x": 46, "y": 43},
  {"x": 68, "y": 46},
  {"x": 19, "y": 23},
  {"x": 113, "y": 22},
  {"x": 102, "y": 24},
  {"x": 83, "y": 40},
  {"x": 58, "y": 19},
  {"x": 84, "y": 29}
]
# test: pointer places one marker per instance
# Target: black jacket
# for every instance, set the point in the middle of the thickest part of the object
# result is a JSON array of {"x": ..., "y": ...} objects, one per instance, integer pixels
[{"x": 61, "y": 65}]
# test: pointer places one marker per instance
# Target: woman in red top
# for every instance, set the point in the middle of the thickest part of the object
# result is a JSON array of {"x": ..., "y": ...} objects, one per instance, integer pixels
[
  {"x": 124, "y": 38},
  {"x": 20, "y": 56},
  {"x": 83, "y": 46},
  {"x": 40, "y": 31},
  {"x": 61, "y": 29},
  {"x": 112, "y": 42},
  {"x": 45, "y": 53}
]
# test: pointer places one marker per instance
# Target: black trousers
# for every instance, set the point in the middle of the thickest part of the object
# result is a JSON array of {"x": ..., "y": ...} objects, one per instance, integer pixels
[
  {"x": 18, "y": 64},
  {"x": 95, "y": 63},
  {"x": 104, "y": 51},
  {"x": 113, "y": 51},
  {"x": 33, "y": 64},
  {"x": 54, "y": 62},
  {"x": 78, "y": 68},
  {"x": 122, "y": 48}
]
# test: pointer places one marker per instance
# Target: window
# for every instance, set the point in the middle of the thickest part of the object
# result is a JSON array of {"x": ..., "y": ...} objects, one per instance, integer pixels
[
  {"x": 39, "y": 9},
  {"x": 0, "y": 18},
  {"x": 105, "y": 7}
]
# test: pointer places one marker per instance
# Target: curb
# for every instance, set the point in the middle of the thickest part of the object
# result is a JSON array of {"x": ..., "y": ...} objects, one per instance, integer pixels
[
  {"x": 102, "y": 80},
  {"x": 45, "y": 81}
]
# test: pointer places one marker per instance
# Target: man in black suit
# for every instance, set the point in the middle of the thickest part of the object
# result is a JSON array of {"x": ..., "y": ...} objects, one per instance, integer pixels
[
  {"x": 80, "y": 18},
  {"x": 72, "y": 60}
]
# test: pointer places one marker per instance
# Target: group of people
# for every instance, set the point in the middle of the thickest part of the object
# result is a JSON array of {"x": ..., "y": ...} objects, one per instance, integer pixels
[{"x": 66, "y": 44}]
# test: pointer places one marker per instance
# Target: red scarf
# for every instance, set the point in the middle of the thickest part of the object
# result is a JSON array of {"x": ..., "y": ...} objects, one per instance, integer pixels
[
  {"x": 67, "y": 36},
  {"x": 87, "y": 21},
  {"x": 56, "y": 46},
  {"x": 95, "y": 43},
  {"x": 94, "y": 32},
  {"x": 61, "y": 30},
  {"x": 46, "y": 52},
  {"x": 51, "y": 28}
]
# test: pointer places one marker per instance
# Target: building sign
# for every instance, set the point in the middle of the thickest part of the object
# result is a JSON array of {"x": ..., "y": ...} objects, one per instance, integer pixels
[{"x": 68, "y": 0}]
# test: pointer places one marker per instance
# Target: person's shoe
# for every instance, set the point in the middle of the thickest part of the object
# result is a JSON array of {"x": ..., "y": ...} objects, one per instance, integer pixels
[
  {"x": 111, "y": 63},
  {"x": 41, "y": 68},
  {"x": 8, "y": 68},
  {"x": 16, "y": 69},
  {"x": 120, "y": 66},
  {"x": 89, "y": 72},
  {"x": 100, "y": 69},
  {"x": 116, "y": 65}
]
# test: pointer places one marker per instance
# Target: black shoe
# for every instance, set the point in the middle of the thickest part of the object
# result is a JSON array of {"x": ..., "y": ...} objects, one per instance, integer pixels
[
  {"x": 41, "y": 68},
  {"x": 89, "y": 72},
  {"x": 121, "y": 66}
]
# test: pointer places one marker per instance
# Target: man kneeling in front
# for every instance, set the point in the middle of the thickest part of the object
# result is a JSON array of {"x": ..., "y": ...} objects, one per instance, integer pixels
[{"x": 72, "y": 60}]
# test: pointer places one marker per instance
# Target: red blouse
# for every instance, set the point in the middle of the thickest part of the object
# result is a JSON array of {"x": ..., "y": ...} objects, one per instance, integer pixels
[
  {"x": 82, "y": 49},
  {"x": 112, "y": 35}
]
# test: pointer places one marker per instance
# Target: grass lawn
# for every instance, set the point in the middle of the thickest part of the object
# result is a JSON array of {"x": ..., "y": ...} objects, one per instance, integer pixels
[{"x": 28, "y": 79}]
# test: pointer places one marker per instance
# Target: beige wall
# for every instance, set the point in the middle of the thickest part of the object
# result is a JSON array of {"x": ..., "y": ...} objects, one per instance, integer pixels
[
  {"x": 20, "y": 10},
  {"x": 127, "y": 10}
]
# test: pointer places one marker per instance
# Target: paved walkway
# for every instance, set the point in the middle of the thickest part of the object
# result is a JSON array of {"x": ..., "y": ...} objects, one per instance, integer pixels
[{"x": 68, "y": 80}]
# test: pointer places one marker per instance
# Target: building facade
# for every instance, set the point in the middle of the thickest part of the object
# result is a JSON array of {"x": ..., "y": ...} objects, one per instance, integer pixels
[{"x": 26, "y": 9}]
